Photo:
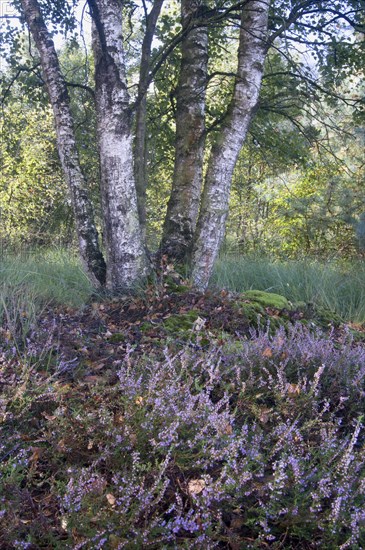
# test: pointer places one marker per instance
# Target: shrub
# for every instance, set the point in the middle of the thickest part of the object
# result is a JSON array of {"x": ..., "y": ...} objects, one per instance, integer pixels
[{"x": 260, "y": 446}]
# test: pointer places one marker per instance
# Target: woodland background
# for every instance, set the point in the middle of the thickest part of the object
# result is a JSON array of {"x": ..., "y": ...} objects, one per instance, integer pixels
[{"x": 298, "y": 186}]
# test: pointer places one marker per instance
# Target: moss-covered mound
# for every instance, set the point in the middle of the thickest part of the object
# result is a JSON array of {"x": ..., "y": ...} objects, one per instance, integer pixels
[{"x": 267, "y": 299}]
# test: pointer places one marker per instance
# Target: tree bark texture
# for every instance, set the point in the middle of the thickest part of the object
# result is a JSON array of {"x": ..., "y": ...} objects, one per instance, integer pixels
[
  {"x": 126, "y": 256},
  {"x": 183, "y": 206},
  {"x": 140, "y": 149},
  {"x": 215, "y": 200},
  {"x": 91, "y": 256}
]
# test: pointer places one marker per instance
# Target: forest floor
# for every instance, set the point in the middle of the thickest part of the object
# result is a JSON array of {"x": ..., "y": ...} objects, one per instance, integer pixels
[{"x": 175, "y": 419}]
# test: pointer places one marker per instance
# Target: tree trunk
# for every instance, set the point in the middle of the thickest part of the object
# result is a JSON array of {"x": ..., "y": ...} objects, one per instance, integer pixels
[
  {"x": 214, "y": 209},
  {"x": 126, "y": 256},
  {"x": 140, "y": 152},
  {"x": 183, "y": 206},
  {"x": 91, "y": 256}
]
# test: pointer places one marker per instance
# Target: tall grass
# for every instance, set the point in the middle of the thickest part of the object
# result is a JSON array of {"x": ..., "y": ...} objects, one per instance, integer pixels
[
  {"x": 339, "y": 287},
  {"x": 49, "y": 276},
  {"x": 28, "y": 282}
]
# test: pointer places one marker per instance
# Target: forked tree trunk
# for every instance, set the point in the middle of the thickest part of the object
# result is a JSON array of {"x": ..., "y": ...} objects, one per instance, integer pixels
[
  {"x": 140, "y": 145},
  {"x": 91, "y": 256},
  {"x": 183, "y": 206},
  {"x": 126, "y": 256},
  {"x": 214, "y": 209}
]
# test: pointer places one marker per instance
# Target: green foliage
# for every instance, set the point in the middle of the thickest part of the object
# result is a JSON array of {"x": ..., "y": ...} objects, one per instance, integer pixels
[
  {"x": 311, "y": 206},
  {"x": 33, "y": 200}
]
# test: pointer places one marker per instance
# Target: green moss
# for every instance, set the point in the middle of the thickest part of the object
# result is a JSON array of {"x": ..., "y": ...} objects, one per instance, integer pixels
[
  {"x": 251, "y": 311},
  {"x": 117, "y": 338},
  {"x": 145, "y": 326},
  {"x": 181, "y": 324},
  {"x": 257, "y": 316},
  {"x": 173, "y": 285},
  {"x": 267, "y": 299},
  {"x": 319, "y": 315}
]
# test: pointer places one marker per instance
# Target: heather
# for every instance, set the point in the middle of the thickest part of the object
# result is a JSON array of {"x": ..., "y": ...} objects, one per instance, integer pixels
[{"x": 123, "y": 428}]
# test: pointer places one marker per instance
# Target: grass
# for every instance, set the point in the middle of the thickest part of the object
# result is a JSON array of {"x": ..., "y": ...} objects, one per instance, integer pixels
[
  {"x": 340, "y": 288},
  {"x": 28, "y": 282},
  {"x": 52, "y": 276}
]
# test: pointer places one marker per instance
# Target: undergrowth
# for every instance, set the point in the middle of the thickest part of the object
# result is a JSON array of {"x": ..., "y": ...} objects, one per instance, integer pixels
[
  {"x": 252, "y": 445},
  {"x": 120, "y": 427}
]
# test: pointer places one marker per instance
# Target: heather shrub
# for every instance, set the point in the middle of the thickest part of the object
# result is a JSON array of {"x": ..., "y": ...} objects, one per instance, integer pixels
[{"x": 261, "y": 445}]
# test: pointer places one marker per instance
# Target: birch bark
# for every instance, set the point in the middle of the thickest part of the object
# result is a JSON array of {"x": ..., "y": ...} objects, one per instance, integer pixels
[
  {"x": 214, "y": 208},
  {"x": 126, "y": 256},
  {"x": 140, "y": 156},
  {"x": 183, "y": 206},
  {"x": 91, "y": 256}
]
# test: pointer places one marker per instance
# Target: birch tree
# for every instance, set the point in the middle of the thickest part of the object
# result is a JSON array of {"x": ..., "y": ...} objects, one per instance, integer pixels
[
  {"x": 140, "y": 151},
  {"x": 214, "y": 207},
  {"x": 183, "y": 206},
  {"x": 90, "y": 254},
  {"x": 126, "y": 257}
]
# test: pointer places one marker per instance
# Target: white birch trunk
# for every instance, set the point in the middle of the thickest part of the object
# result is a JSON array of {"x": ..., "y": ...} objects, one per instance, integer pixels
[
  {"x": 214, "y": 208},
  {"x": 183, "y": 207},
  {"x": 126, "y": 256},
  {"x": 66, "y": 143}
]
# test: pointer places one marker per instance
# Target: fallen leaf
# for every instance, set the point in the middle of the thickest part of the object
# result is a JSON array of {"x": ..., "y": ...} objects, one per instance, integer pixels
[
  {"x": 264, "y": 415},
  {"x": 198, "y": 324},
  {"x": 196, "y": 486},
  {"x": 237, "y": 523},
  {"x": 61, "y": 446},
  {"x": 111, "y": 499},
  {"x": 37, "y": 451},
  {"x": 226, "y": 429},
  {"x": 114, "y": 541},
  {"x": 118, "y": 419},
  {"x": 293, "y": 389},
  {"x": 93, "y": 379}
]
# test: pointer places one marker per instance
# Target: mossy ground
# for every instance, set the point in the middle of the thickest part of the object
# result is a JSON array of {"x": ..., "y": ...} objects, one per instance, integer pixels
[{"x": 267, "y": 299}]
